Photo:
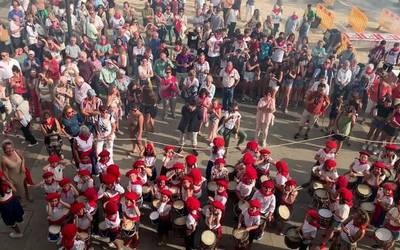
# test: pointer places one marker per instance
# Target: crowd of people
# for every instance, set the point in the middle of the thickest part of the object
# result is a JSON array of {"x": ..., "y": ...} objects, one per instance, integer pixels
[{"x": 81, "y": 72}]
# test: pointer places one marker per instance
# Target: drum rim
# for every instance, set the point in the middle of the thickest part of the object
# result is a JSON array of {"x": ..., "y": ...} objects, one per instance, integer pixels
[
  {"x": 366, "y": 187},
  {"x": 387, "y": 231},
  {"x": 181, "y": 218},
  {"x": 208, "y": 232},
  {"x": 56, "y": 227},
  {"x": 154, "y": 212},
  {"x": 285, "y": 209},
  {"x": 323, "y": 210}
]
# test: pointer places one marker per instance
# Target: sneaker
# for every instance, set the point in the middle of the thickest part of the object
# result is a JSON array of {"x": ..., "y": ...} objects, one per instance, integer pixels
[
  {"x": 195, "y": 152},
  {"x": 260, "y": 236},
  {"x": 14, "y": 235},
  {"x": 296, "y": 136},
  {"x": 285, "y": 111},
  {"x": 34, "y": 144},
  {"x": 306, "y": 137}
]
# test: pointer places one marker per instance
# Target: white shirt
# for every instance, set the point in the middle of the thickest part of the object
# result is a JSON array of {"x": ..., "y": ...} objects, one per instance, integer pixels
[
  {"x": 360, "y": 168},
  {"x": 221, "y": 198},
  {"x": 229, "y": 79},
  {"x": 280, "y": 180},
  {"x": 392, "y": 56},
  {"x": 268, "y": 203},
  {"x": 136, "y": 188},
  {"x": 230, "y": 124},
  {"x": 394, "y": 212},
  {"x": 118, "y": 189},
  {"x": 104, "y": 125},
  {"x": 52, "y": 188},
  {"x": 214, "y": 46},
  {"x": 331, "y": 174},
  {"x": 314, "y": 87},
  {"x": 219, "y": 154},
  {"x": 6, "y": 68},
  {"x": 164, "y": 208},
  {"x": 244, "y": 189},
  {"x": 250, "y": 220},
  {"x": 113, "y": 223},
  {"x": 190, "y": 221},
  {"x": 130, "y": 212},
  {"x": 84, "y": 146},
  {"x": 309, "y": 229},
  {"x": 342, "y": 210},
  {"x": 343, "y": 77},
  {"x": 57, "y": 171},
  {"x": 325, "y": 156},
  {"x": 81, "y": 93}
]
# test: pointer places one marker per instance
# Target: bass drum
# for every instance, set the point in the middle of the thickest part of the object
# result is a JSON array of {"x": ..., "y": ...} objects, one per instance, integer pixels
[{"x": 292, "y": 238}]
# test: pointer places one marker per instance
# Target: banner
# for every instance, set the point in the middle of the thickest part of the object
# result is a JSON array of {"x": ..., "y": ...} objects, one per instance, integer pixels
[
  {"x": 389, "y": 21},
  {"x": 358, "y": 20},
  {"x": 327, "y": 17}
]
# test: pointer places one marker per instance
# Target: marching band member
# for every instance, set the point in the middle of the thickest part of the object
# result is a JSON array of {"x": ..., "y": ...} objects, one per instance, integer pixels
[
  {"x": 392, "y": 222},
  {"x": 164, "y": 210},
  {"x": 11, "y": 210},
  {"x": 240, "y": 168},
  {"x": 220, "y": 194},
  {"x": 326, "y": 153},
  {"x": 55, "y": 166},
  {"x": 161, "y": 184},
  {"x": 68, "y": 191},
  {"x": 113, "y": 169},
  {"x": 187, "y": 189},
  {"x": 175, "y": 175},
  {"x": 327, "y": 172},
  {"x": 353, "y": 230},
  {"x": 217, "y": 151},
  {"x": 309, "y": 229},
  {"x": 289, "y": 194},
  {"x": 110, "y": 189},
  {"x": 282, "y": 174},
  {"x": 268, "y": 203},
  {"x": 192, "y": 221},
  {"x": 135, "y": 184},
  {"x": 82, "y": 218},
  {"x": 383, "y": 202},
  {"x": 69, "y": 240},
  {"x": 263, "y": 162},
  {"x": 130, "y": 211},
  {"x": 341, "y": 210},
  {"x": 214, "y": 217},
  {"x": 170, "y": 158},
  {"x": 388, "y": 156},
  {"x": 360, "y": 166},
  {"x": 85, "y": 162},
  {"x": 246, "y": 185},
  {"x": 340, "y": 183},
  {"x": 112, "y": 220},
  {"x": 143, "y": 172},
  {"x": 83, "y": 181},
  {"x": 252, "y": 148},
  {"x": 56, "y": 209},
  {"x": 250, "y": 219},
  {"x": 92, "y": 197},
  {"x": 198, "y": 181},
  {"x": 191, "y": 162},
  {"x": 48, "y": 183},
  {"x": 219, "y": 171},
  {"x": 104, "y": 161},
  {"x": 149, "y": 157},
  {"x": 375, "y": 177}
]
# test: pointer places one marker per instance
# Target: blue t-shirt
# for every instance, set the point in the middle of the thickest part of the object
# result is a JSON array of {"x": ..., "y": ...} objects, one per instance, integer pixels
[
  {"x": 72, "y": 125},
  {"x": 250, "y": 2}
]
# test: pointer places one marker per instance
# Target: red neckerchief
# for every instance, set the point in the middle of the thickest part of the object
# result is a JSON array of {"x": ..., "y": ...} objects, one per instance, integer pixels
[
  {"x": 196, "y": 215},
  {"x": 395, "y": 49},
  {"x": 223, "y": 193},
  {"x": 229, "y": 71},
  {"x": 253, "y": 214},
  {"x": 84, "y": 137},
  {"x": 294, "y": 17},
  {"x": 276, "y": 11},
  {"x": 314, "y": 224},
  {"x": 103, "y": 160},
  {"x": 50, "y": 121},
  {"x": 138, "y": 181},
  {"x": 362, "y": 162},
  {"x": 266, "y": 194}
]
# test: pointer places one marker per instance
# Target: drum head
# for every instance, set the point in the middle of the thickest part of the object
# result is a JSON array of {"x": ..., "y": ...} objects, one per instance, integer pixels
[
  {"x": 239, "y": 234},
  {"x": 243, "y": 205},
  {"x": 208, "y": 238},
  {"x": 156, "y": 203},
  {"x": 317, "y": 185},
  {"x": 284, "y": 212},
  {"x": 102, "y": 225},
  {"x": 54, "y": 229},
  {"x": 145, "y": 189},
  {"x": 264, "y": 178},
  {"x": 154, "y": 215},
  {"x": 180, "y": 221},
  {"x": 368, "y": 207},
  {"x": 321, "y": 193},
  {"x": 232, "y": 185},
  {"x": 325, "y": 213},
  {"x": 363, "y": 189},
  {"x": 128, "y": 225},
  {"x": 383, "y": 234},
  {"x": 178, "y": 204},
  {"x": 212, "y": 186}
]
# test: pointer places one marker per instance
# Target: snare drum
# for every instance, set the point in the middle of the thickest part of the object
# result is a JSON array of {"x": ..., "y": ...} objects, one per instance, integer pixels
[
  {"x": 54, "y": 233},
  {"x": 383, "y": 236},
  {"x": 321, "y": 198},
  {"x": 208, "y": 240},
  {"x": 368, "y": 207},
  {"x": 292, "y": 238},
  {"x": 178, "y": 206},
  {"x": 325, "y": 218},
  {"x": 315, "y": 185},
  {"x": 264, "y": 178},
  {"x": 283, "y": 212},
  {"x": 81, "y": 199},
  {"x": 231, "y": 172},
  {"x": 240, "y": 206},
  {"x": 211, "y": 187},
  {"x": 154, "y": 216},
  {"x": 156, "y": 203},
  {"x": 179, "y": 227},
  {"x": 241, "y": 237},
  {"x": 363, "y": 192},
  {"x": 103, "y": 231},
  {"x": 128, "y": 229}
]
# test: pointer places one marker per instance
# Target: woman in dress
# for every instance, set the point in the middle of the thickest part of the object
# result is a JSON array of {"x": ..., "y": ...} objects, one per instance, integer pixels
[
  {"x": 169, "y": 90},
  {"x": 10, "y": 208},
  {"x": 214, "y": 116},
  {"x": 51, "y": 130},
  {"x": 13, "y": 166},
  {"x": 265, "y": 115},
  {"x": 149, "y": 108},
  {"x": 136, "y": 123},
  {"x": 204, "y": 103}
]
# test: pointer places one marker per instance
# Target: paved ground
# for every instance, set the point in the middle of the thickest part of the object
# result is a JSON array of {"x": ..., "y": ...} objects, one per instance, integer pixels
[{"x": 299, "y": 155}]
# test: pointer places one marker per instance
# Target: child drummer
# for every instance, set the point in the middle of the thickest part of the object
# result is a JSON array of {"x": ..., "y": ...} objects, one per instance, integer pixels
[
  {"x": 360, "y": 166},
  {"x": 213, "y": 218},
  {"x": 326, "y": 153},
  {"x": 309, "y": 228},
  {"x": 192, "y": 221},
  {"x": 267, "y": 200},
  {"x": 131, "y": 212},
  {"x": 220, "y": 194},
  {"x": 56, "y": 209},
  {"x": 82, "y": 219},
  {"x": 327, "y": 172},
  {"x": 250, "y": 220},
  {"x": 69, "y": 239},
  {"x": 375, "y": 177},
  {"x": 161, "y": 183},
  {"x": 263, "y": 162},
  {"x": 164, "y": 210},
  {"x": 246, "y": 185}
]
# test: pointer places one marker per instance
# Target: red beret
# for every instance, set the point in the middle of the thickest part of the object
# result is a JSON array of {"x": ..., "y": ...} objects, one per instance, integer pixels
[
  {"x": 265, "y": 151},
  {"x": 108, "y": 179},
  {"x": 388, "y": 186},
  {"x": 168, "y": 148},
  {"x": 69, "y": 231},
  {"x": 251, "y": 173},
  {"x": 219, "y": 161},
  {"x": 313, "y": 214},
  {"x": 191, "y": 159},
  {"x": 219, "y": 142},
  {"x": 255, "y": 203},
  {"x": 379, "y": 164},
  {"x": 113, "y": 169},
  {"x": 391, "y": 147},
  {"x": 84, "y": 172},
  {"x": 330, "y": 164},
  {"x": 218, "y": 205},
  {"x": 187, "y": 178},
  {"x": 330, "y": 144},
  {"x": 111, "y": 208},
  {"x": 132, "y": 171},
  {"x": 282, "y": 167},
  {"x": 196, "y": 175},
  {"x": 149, "y": 146},
  {"x": 252, "y": 145},
  {"x": 178, "y": 165},
  {"x": 54, "y": 158},
  {"x": 47, "y": 174},
  {"x": 364, "y": 153},
  {"x": 222, "y": 183},
  {"x": 291, "y": 182},
  {"x": 64, "y": 182},
  {"x": 192, "y": 203},
  {"x": 138, "y": 163},
  {"x": 91, "y": 194},
  {"x": 166, "y": 192},
  {"x": 248, "y": 159},
  {"x": 131, "y": 196},
  {"x": 76, "y": 207},
  {"x": 52, "y": 196},
  {"x": 268, "y": 184},
  {"x": 342, "y": 181},
  {"x": 1, "y": 174},
  {"x": 346, "y": 194},
  {"x": 162, "y": 178},
  {"x": 104, "y": 153}
]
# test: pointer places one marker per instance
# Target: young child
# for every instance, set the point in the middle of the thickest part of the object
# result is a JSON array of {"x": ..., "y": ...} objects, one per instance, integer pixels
[
  {"x": 198, "y": 181},
  {"x": 131, "y": 212},
  {"x": 213, "y": 218},
  {"x": 191, "y": 162},
  {"x": 309, "y": 228},
  {"x": 149, "y": 156},
  {"x": 219, "y": 171},
  {"x": 85, "y": 162},
  {"x": 135, "y": 184},
  {"x": 110, "y": 189},
  {"x": 192, "y": 221},
  {"x": 217, "y": 152},
  {"x": 282, "y": 174},
  {"x": 187, "y": 188},
  {"x": 55, "y": 166},
  {"x": 263, "y": 162},
  {"x": 383, "y": 202},
  {"x": 91, "y": 204},
  {"x": 68, "y": 191},
  {"x": 360, "y": 166},
  {"x": 250, "y": 220},
  {"x": 328, "y": 152},
  {"x": 245, "y": 187},
  {"x": 170, "y": 158},
  {"x": 83, "y": 181},
  {"x": 112, "y": 220},
  {"x": 103, "y": 162},
  {"x": 57, "y": 210},
  {"x": 82, "y": 218},
  {"x": 69, "y": 239},
  {"x": 161, "y": 184},
  {"x": 164, "y": 210},
  {"x": 48, "y": 183},
  {"x": 220, "y": 194}
]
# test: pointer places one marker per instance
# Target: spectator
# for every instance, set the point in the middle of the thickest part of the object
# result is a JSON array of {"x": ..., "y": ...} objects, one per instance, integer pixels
[
  {"x": 23, "y": 117},
  {"x": 230, "y": 78},
  {"x": 377, "y": 53},
  {"x": 169, "y": 90},
  {"x": 292, "y": 24},
  {"x": 265, "y": 116}
]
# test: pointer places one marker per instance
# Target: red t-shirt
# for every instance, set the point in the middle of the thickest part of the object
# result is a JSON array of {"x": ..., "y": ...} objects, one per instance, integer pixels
[
  {"x": 318, "y": 103},
  {"x": 373, "y": 91}
]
